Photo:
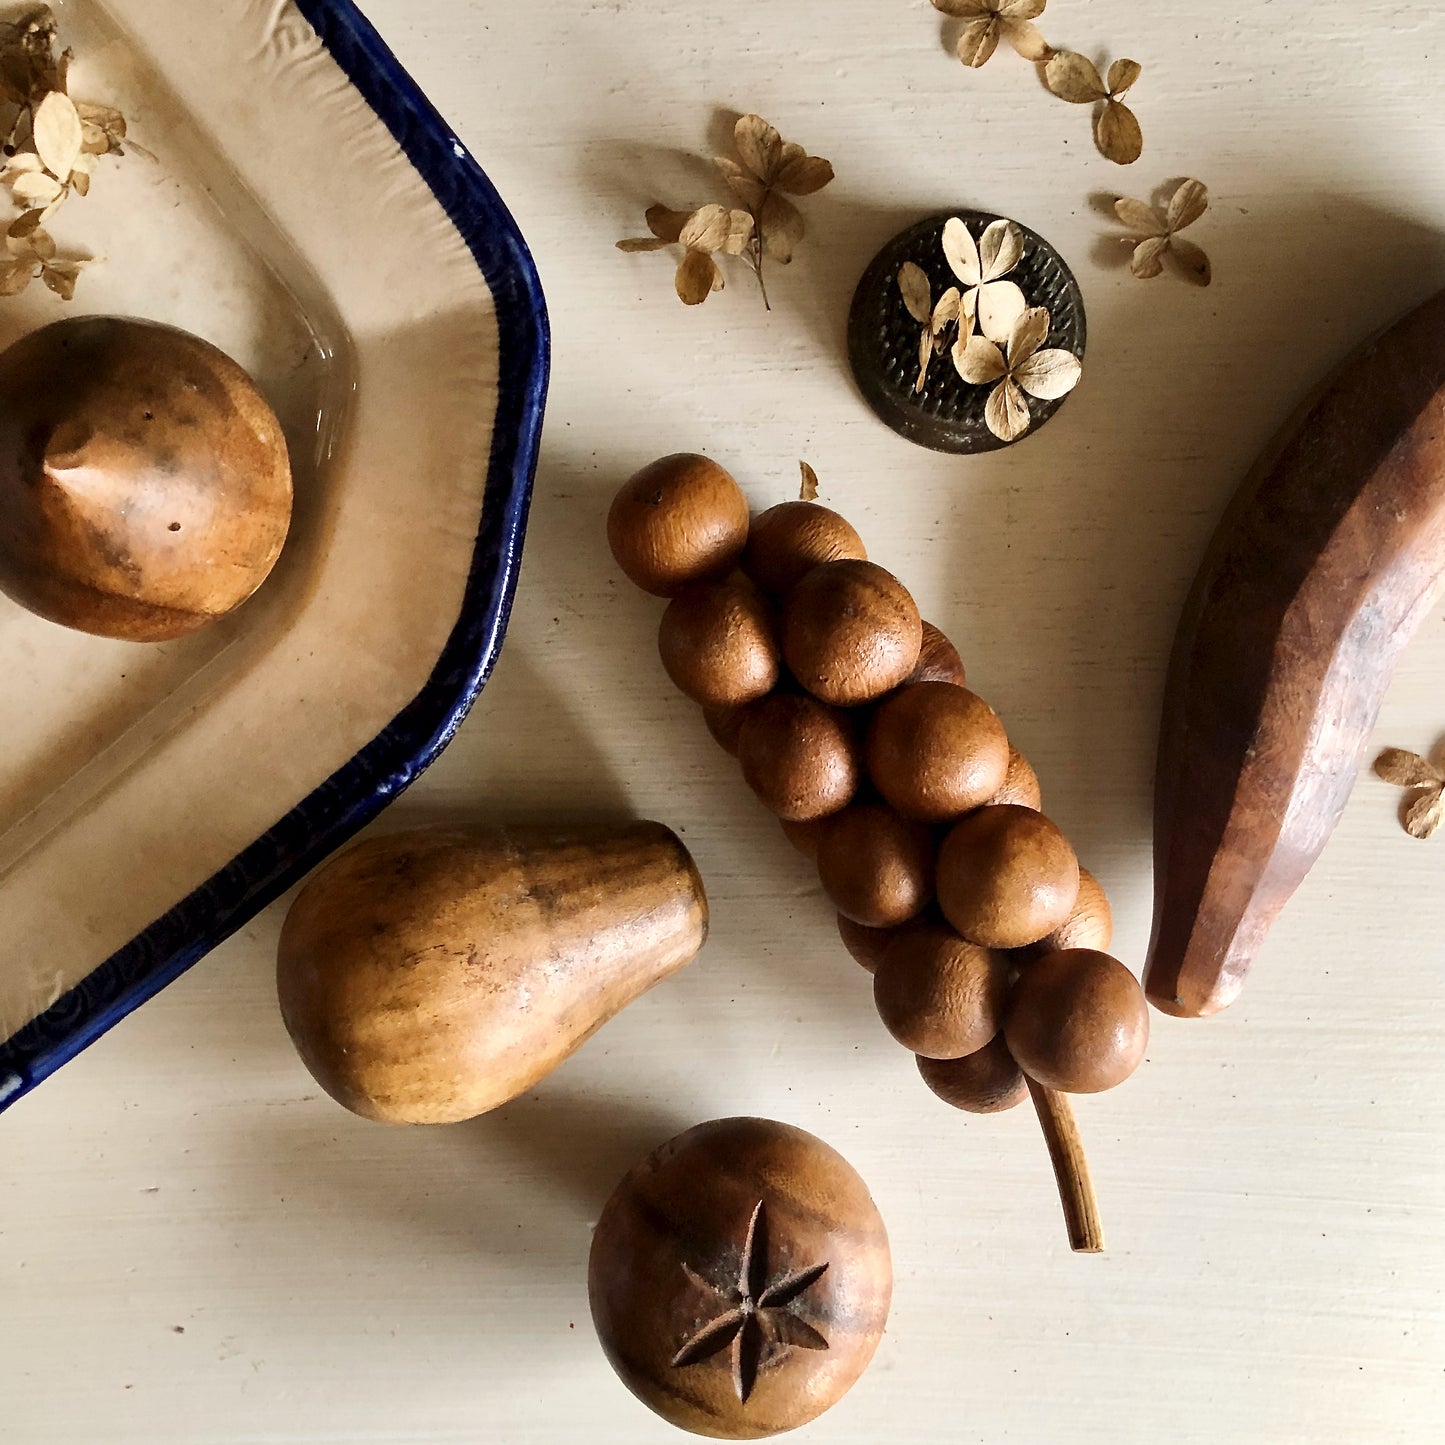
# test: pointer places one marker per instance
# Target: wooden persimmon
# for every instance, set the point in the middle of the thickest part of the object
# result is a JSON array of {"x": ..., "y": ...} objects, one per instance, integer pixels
[{"x": 740, "y": 1278}]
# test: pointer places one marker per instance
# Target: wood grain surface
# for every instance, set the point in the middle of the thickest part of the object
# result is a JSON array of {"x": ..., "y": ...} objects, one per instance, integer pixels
[{"x": 196, "y": 1247}]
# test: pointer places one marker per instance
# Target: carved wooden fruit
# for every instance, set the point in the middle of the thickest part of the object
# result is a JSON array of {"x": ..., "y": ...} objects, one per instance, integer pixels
[
  {"x": 429, "y": 976},
  {"x": 145, "y": 488},
  {"x": 1327, "y": 558},
  {"x": 740, "y": 1279}
]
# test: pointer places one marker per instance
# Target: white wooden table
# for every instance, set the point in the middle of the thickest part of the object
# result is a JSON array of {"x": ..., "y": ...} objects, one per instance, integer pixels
[{"x": 196, "y": 1248}]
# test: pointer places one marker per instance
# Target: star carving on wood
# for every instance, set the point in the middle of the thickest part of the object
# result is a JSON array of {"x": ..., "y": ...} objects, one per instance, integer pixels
[{"x": 754, "y": 1319}]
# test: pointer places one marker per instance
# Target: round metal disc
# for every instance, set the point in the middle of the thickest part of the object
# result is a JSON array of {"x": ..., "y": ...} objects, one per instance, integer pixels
[{"x": 947, "y": 415}]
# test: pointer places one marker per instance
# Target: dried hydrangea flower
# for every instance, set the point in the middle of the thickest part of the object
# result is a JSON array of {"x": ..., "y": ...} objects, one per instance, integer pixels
[
  {"x": 768, "y": 171},
  {"x": 702, "y": 234},
  {"x": 1409, "y": 770},
  {"x": 1019, "y": 367},
  {"x": 981, "y": 265},
  {"x": 51, "y": 148},
  {"x": 1075, "y": 78},
  {"x": 985, "y": 21},
  {"x": 1158, "y": 235}
]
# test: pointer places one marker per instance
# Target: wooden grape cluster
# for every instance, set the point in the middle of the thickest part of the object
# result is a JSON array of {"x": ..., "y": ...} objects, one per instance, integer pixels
[{"x": 852, "y": 722}]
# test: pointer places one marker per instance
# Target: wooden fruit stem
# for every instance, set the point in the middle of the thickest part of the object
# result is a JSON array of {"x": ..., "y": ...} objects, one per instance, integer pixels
[{"x": 1071, "y": 1169}]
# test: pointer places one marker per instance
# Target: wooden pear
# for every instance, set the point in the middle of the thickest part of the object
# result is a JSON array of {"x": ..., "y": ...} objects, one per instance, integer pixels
[{"x": 431, "y": 975}]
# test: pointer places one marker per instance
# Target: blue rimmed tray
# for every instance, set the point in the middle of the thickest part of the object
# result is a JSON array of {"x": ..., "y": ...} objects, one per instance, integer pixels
[{"x": 337, "y": 237}]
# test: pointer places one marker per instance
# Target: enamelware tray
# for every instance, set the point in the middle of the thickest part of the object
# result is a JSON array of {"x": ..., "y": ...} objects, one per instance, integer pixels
[{"x": 308, "y": 211}]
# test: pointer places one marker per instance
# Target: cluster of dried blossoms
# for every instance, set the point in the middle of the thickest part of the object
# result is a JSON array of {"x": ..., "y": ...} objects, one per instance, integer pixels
[
  {"x": 51, "y": 147},
  {"x": 1008, "y": 355},
  {"x": 768, "y": 227},
  {"x": 1070, "y": 76},
  {"x": 1076, "y": 79}
]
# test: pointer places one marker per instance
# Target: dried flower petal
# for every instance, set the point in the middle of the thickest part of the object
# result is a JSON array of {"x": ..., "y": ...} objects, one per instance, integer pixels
[
  {"x": 706, "y": 229},
  {"x": 61, "y": 277},
  {"x": 1406, "y": 769},
  {"x": 1187, "y": 205},
  {"x": 1123, "y": 74},
  {"x": 978, "y": 361},
  {"x": 917, "y": 293},
  {"x": 1425, "y": 814},
  {"x": 750, "y": 191},
  {"x": 642, "y": 243},
  {"x": 804, "y": 176},
  {"x": 15, "y": 276},
  {"x": 925, "y": 355},
  {"x": 965, "y": 9},
  {"x": 960, "y": 250},
  {"x": 1140, "y": 217},
  {"x": 1049, "y": 375},
  {"x": 1030, "y": 331},
  {"x": 57, "y": 134},
  {"x": 1022, "y": 9},
  {"x": 36, "y": 188},
  {"x": 782, "y": 228},
  {"x": 1117, "y": 133},
  {"x": 759, "y": 145},
  {"x": 977, "y": 41},
  {"x": 666, "y": 224},
  {"x": 948, "y": 310},
  {"x": 808, "y": 491},
  {"x": 1028, "y": 40},
  {"x": 999, "y": 249},
  {"x": 697, "y": 278},
  {"x": 1191, "y": 261},
  {"x": 1148, "y": 259},
  {"x": 999, "y": 304},
  {"x": 1006, "y": 413},
  {"x": 1074, "y": 78}
]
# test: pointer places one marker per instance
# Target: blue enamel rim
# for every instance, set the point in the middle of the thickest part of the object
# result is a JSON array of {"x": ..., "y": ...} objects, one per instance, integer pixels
[{"x": 378, "y": 774}]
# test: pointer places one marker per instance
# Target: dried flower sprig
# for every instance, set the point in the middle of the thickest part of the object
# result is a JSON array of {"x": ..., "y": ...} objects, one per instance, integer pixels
[
  {"x": 1423, "y": 777},
  {"x": 769, "y": 171},
  {"x": 1019, "y": 367},
  {"x": 986, "y": 22},
  {"x": 934, "y": 321},
  {"x": 51, "y": 147},
  {"x": 1157, "y": 233},
  {"x": 702, "y": 235},
  {"x": 1075, "y": 78}
]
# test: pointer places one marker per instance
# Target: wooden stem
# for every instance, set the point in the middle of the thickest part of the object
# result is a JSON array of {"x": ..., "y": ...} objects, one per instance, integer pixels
[{"x": 1071, "y": 1169}]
